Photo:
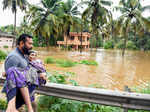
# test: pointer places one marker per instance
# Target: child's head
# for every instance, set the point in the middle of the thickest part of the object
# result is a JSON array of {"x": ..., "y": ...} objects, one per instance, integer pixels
[{"x": 32, "y": 55}]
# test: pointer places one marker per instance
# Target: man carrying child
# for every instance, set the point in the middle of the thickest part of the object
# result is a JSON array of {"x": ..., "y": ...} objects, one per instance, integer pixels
[{"x": 18, "y": 58}]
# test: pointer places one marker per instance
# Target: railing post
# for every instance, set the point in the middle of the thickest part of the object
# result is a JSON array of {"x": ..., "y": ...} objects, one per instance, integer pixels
[
  {"x": 125, "y": 110},
  {"x": 127, "y": 89}
]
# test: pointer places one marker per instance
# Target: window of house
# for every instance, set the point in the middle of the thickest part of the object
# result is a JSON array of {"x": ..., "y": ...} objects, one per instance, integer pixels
[
  {"x": 72, "y": 37},
  {"x": 87, "y": 38},
  {"x": 81, "y": 39}
]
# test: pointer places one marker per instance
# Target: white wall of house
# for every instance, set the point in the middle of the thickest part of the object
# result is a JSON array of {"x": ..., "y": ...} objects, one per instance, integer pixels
[{"x": 5, "y": 41}]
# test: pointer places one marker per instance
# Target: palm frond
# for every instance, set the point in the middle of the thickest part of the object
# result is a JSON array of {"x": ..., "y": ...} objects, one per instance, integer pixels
[
  {"x": 106, "y": 2},
  {"x": 145, "y": 8}
]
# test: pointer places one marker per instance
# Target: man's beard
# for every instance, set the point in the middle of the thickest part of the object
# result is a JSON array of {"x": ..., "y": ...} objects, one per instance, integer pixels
[{"x": 26, "y": 50}]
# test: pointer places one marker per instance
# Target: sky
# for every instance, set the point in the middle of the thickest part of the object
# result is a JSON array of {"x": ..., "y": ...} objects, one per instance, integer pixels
[{"x": 7, "y": 18}]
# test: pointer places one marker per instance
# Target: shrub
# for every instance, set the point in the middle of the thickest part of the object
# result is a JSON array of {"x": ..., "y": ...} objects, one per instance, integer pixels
[
  {"x": 3, "y": 104},
  {"x": 5, "y": 46},
  {"x": 120, "y": 45},
  {"x": 131, "y": 45},
  {"x": 109, "y": 44},
  {"x": 147, "y": 45},
  {"x": 2, "y": 55}
]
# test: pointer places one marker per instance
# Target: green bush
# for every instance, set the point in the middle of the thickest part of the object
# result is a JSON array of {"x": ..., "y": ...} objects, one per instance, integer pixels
[
  {"x": 131, "y": 45},
  {"x": 120, "y": 45},
  {"x": 147, "y": 45},
  {"x": 2, "y": 55},
  {"x": 5, "y": 46},
  {"x": 49, "y": 60},
  {"x": 86, "y": 62},
  {"x": 3, "y": 104},
  {"x": 93, "y": 42},
  {"x": 109, "y": 44}
]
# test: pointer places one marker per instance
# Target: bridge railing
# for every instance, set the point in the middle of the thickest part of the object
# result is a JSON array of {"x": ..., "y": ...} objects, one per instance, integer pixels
[{"x": 124, "y": 100}]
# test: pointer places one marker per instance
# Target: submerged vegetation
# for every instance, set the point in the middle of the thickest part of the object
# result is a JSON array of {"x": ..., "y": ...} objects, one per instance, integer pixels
[
  {"x": 86, "y": 62},
  {"x": 68, "y": 63}
]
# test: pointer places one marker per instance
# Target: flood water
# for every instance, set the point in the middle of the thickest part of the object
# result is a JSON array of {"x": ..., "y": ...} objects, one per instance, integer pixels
[{"x": 113, "y": 70}]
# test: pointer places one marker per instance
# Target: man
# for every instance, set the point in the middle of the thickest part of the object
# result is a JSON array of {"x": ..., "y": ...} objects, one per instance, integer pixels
[{"x": 18, "y": 58}]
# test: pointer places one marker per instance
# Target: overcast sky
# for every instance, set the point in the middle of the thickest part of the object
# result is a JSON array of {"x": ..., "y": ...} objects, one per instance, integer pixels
[{"x": 7, "y": 18}]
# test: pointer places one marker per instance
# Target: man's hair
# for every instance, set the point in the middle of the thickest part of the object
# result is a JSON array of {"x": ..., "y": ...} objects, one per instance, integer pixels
[{"x": 23, "y": 38}]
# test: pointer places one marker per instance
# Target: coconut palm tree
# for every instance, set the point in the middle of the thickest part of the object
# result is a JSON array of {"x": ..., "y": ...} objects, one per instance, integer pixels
[
  {"x": 44, "y": 19},
  {"x": 131, "y": 12},
  {"x": 13, "y": 4},
  {"x": 97, "y": 14},
  {"x": 68, "y": 13}
]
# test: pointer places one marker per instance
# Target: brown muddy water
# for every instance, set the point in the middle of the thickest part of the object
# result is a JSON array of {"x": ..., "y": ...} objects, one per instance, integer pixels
[{"x": 113, "y": 70}]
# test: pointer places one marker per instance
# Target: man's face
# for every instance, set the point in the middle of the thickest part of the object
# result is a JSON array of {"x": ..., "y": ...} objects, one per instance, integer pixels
[{"x": 27, "y": 45}]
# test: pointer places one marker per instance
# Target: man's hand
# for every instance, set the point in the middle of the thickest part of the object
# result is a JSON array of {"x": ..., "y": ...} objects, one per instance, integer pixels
[
  {"x": 4, "y": 74},
  {"x": 43, "y": 76}
]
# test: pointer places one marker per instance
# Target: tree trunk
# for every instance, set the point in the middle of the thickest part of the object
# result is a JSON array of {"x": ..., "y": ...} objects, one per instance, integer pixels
[
  {"x": 66, "y": 46},
  {"x": 55, "y": 42},
  {"x": 125, "y": 42},
  {"x": 124, "y": 48},
  {"x": 47, "y": 42},
  {"x": 15, "y": 22},
  {"x": 81, "y": 37},
  {"x": 14, "y": 32}
]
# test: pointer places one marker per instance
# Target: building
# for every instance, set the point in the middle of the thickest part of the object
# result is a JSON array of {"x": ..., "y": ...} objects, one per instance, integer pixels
[
  {"x": 74, "y": 39},
  {"x": 6, "y": 40}
]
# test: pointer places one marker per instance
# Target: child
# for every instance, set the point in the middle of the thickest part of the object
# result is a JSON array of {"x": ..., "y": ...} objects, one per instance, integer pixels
[{"x": 25, "y": 80}]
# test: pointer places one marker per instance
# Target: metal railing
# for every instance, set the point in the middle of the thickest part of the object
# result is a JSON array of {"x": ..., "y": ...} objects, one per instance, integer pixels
[{"x": 93, "y": 95}]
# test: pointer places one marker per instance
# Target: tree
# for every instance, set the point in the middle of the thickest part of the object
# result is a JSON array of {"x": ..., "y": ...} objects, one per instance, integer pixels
[
  {"x": 131, "y": 11},
  {"x": 68, "y": 14},
  {"x": 44, "y": 19},
  {"x": 97, "y": 14},
  {"x": 13, "y": 4}
]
